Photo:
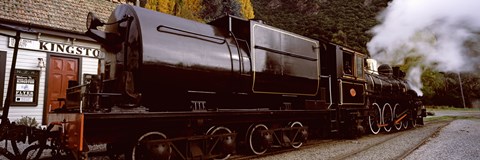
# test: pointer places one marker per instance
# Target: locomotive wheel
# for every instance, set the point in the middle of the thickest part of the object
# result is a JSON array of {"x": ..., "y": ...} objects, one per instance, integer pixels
[
  {"x": 375, "y": 120},
  {"x": 396, "y": 113},
  {"x": 45, "y": 152},
  {"x": 414, "y": 123},
  {"x": 35, "y": 151},
  {"x": 210, "y": 130},
  {"x": 141, "y": 152},
  {"x": 256, "y": 140},
  {"x": 219, "y": 149},
  {"x": 405, "y": 124},
  {"x": 387, "y": 117},
  {"x": 296, "y": 135}
]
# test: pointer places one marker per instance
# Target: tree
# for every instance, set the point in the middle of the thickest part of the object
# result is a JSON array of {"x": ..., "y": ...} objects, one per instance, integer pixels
[
  {"x": 321, "y": 19},
  {"x": 246, "y": 9},
  {"x": 340, "y": 38},
  {"x": 151, "y": 4},
  {"x": 433, "y": 82},
  {"x": 213, "y": 9},
  {"x": 202, "y": 11},
  {"x": 190, "y": 9},
  {"x": 166, "y": 6},
  {"x": 451, "y": 95}
]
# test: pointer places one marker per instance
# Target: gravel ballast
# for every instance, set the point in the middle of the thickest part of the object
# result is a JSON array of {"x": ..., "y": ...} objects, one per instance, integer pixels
[
  {"x": 395, "y": 145},
  {"x": 459, "y": 140}
]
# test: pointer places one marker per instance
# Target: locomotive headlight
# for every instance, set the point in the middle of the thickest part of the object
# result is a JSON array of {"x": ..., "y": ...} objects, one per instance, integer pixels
[
  {"x": 111, "y": 38},
  {"x": 353, "y": 93},
  {"x": 93, "y": 22}
]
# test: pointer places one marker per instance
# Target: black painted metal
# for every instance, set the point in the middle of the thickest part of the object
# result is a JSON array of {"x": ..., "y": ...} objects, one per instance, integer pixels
[
  {"x": 181, "y": 77},
  {"x": 387, "y": 86},
  {"x": 172, "y": 63}
]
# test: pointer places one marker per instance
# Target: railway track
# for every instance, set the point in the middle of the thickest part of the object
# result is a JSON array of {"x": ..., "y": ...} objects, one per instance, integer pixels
[
  {"x": 392, "y": 139},
  {"x": 388, "y": 144},
  {"x": 275, "y": 151},
  {"x": 377, "y": 140},
  {"x": 424, "y": 140}
]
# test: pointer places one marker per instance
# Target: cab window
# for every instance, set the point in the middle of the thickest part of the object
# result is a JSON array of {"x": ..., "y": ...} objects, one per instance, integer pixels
[
  {"x": 347, "y": 63},
  {"x": 359, "y": 66}
]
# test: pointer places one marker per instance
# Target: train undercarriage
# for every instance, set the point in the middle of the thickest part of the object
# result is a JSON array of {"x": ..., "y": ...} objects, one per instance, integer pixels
[
  {"x": 387, "y": 116},
  {"x": 203, "y": 135},
  {"x": 206, "y": 135}
]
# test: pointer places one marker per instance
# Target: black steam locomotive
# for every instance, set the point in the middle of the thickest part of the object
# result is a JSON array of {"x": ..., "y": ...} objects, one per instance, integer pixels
[{"x": 171, "y": 88}]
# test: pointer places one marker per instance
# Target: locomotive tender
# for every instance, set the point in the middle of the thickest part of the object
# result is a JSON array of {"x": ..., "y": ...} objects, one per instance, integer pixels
[{"x": 171, "y": 88}]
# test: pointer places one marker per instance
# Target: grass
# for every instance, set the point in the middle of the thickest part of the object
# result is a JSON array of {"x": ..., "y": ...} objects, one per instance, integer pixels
[
  {"x": 447, "y": 118},
  {"x": 429, "y": 108},
  {"x": 433, "y": 109}
]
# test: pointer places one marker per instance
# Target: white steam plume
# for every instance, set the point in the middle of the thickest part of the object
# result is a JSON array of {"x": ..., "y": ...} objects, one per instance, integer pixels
[{"x": 436, "y": 30}]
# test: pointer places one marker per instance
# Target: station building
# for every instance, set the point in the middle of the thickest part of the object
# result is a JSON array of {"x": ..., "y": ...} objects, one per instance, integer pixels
[{"x": 52, "y": 50}]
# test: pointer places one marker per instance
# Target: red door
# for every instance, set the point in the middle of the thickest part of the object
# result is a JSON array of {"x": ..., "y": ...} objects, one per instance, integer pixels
[{"x": 61, "y": 70}]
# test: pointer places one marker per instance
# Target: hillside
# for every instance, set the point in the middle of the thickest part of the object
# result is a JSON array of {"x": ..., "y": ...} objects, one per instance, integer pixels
[{"x": 344, "y": 22}]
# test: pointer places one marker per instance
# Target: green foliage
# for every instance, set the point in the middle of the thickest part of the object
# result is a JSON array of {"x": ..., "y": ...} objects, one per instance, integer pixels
[
  {"x": 166, "y": 6},
  {"x": 340, "y": 37},
  {"x": 190, "y": 9},
  {"x": 214, "y": 9},
  {"x": 451, "y": 93},
  {"x": 432, "y": 82},
  {"x": 27, "y": 121},
  {"x": 323, "y": 19},
  {"x": 246, "y": 9},
  {"x": 202, "y": 11},
  {"x": 152, "y": 4}
]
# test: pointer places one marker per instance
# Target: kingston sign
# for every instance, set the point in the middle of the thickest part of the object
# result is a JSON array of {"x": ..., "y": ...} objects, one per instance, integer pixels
[{"x": 55, "y": 47}]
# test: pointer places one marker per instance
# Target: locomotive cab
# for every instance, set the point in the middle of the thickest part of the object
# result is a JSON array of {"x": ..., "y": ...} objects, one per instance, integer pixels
[{"x": 350, "y": 76}]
